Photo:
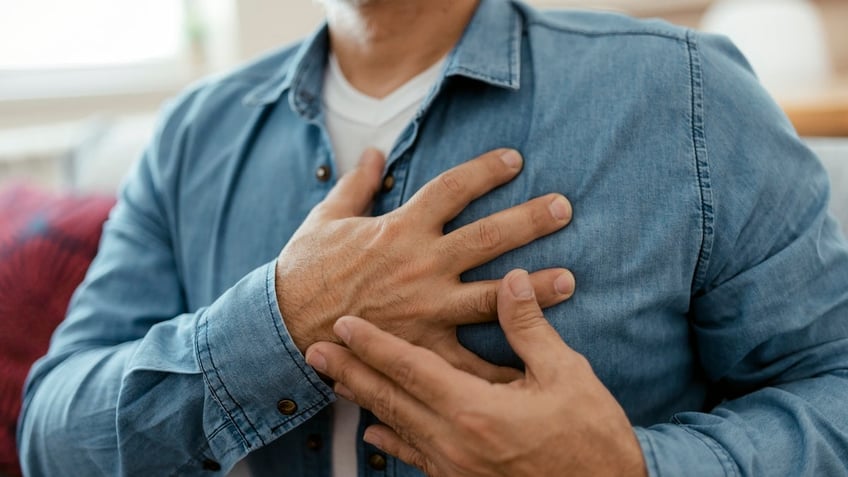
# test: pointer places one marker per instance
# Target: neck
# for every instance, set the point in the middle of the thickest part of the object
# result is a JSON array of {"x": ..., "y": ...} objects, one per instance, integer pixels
[{"x": 382, "y": 44}]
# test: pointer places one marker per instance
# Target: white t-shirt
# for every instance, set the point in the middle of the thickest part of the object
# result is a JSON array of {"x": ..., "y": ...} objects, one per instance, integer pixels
[{"x": 354, "y": 123}]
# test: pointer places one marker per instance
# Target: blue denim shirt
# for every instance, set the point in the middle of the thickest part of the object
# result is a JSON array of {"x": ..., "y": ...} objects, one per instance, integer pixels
[{"x": 712, "y": 295}]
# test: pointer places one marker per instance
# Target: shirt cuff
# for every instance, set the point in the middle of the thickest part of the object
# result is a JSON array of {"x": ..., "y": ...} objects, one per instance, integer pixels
[
  {"x": 672, "y": 450},
  {"x": 251, "y": 365}
]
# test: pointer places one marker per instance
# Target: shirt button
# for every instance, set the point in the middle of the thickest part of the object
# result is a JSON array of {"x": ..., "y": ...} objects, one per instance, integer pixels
[
  {"x": 287, "y": 407},
  {"x": 323, "y": 173},
  {"x": 313, "y": 442},
  {"x": 388, "y": 183},
  {"x": 377, "y": 461},
  {"x": 210, "y": 464}
]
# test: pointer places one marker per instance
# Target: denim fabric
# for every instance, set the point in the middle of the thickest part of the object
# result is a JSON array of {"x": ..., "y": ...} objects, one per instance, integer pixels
[{"x": 712, "y": 286}]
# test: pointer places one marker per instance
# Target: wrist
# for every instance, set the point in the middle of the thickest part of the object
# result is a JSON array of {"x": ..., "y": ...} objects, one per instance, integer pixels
[{"x": 301, "y": 327}]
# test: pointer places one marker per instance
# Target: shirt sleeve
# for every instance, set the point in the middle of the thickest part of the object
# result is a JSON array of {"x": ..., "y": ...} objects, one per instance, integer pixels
[
  {"x": 769, "y": 314},
  {"x": 136, "y": 384}
]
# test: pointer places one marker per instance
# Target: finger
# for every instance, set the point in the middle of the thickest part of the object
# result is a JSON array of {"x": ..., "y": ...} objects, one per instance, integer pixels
[
  {"x": 354, "y": 192},
  {"x": 532, "y": 338},
  {"x": 390, "y": 442},
  {"x": 418, "y": 371},
  {"x": 477, "y": 302},
  {"x": 444, "y": 197},
  {"x": 464, "y": 359},
  {"x": 488, "y": 238},
  {"x": 358, "y": 382}
]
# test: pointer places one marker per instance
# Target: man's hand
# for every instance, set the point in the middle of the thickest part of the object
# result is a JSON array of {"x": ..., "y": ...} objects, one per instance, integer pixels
[
  {"x": 559, "y": 419},
  {"x": 400, "y": 271}
]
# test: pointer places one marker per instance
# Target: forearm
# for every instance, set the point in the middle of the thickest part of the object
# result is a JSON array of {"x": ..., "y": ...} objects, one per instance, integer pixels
[{"x": 201, "y": 386}]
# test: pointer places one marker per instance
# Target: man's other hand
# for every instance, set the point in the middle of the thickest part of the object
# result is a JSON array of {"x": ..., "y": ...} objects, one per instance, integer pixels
[
  {"x": 400, "y": 271},
  {"x": 558, "y": 419}
]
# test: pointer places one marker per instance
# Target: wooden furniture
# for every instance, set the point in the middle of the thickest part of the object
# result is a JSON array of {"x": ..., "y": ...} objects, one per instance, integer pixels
[{"x": 822, "y": 113}]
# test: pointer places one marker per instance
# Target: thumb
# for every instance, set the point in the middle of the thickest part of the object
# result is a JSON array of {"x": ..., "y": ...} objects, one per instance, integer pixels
[
  {"x": 354, "y": 192},
  {"x": 531, "y": 336}
]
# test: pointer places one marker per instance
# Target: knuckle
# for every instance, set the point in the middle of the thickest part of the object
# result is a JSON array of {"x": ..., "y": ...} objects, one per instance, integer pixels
[
  {"x": 412, "y": 438},
  {"x": 481, "y": 303},
  {"x": 345, "y": 374},
  {"x": 383, "y": 404},
  {"x": 452, "y": 181},
  {"x": 402, "y": 373},
  {"x": 487, "y": 302},
  {"x": 416, "y": 459},
  {"x": 488, "y": 235}
]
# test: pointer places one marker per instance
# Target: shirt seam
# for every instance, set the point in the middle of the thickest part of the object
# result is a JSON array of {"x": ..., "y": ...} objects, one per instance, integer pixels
[
  {"x": 588, "y": 33},
  {"x": 203, "y": 322},
  {"x": 227, "y": 391},
  {"x": 515, "y": 35},
  {"x": 701, "y": 159},
  {"x": 307, "y": 410},
  {"x": 478, "y": 75}
]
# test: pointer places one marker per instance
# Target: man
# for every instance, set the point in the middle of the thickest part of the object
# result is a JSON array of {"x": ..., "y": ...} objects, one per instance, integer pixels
[{"x": 711, "y": 301}]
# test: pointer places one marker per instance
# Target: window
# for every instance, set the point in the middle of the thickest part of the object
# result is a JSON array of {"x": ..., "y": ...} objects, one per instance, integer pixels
[{"x": 57, "y": 48}]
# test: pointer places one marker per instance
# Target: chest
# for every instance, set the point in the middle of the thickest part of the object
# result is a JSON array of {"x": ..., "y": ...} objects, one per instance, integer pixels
[{"x": 632, "y": 245}]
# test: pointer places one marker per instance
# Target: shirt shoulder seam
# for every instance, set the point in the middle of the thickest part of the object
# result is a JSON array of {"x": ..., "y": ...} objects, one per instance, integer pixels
[{"x": 701, "y": 158}]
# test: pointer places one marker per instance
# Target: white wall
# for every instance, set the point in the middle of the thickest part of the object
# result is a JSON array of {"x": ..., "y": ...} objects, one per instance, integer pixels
[
  {"x": 266, "y": 24},
  {"x": 269, "y": 23}
]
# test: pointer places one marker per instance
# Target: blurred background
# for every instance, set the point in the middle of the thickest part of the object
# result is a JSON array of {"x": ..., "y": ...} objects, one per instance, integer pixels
[{"x": 81, "y": 81}]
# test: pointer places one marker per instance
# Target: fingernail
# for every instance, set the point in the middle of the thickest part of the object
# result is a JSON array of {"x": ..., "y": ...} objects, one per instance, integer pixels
[
  {"x": 343, "y": 391},
  {"x": 342, "y": 330},
  {"x": 564, "y": 284},
  {"x": 511, "y": 158},
  {"x": 520, "y": 285},
  {"x": 317, "y": 361},
  {"x": 372, "y": 438},
  {"x": 560, "y": 208}
]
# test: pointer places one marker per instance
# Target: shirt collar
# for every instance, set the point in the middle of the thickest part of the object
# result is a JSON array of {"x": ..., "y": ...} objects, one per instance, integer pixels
[
  {"x": 490, "y": 48},
  {"x": 489, "y": 51}
]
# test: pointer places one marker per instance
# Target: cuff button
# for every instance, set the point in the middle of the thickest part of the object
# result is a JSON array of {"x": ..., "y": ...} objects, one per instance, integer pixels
[{"x": 287, "y": 407}]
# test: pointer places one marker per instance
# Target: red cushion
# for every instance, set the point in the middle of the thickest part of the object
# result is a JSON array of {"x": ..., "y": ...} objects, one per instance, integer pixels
[{"x": 47, "y": 241}]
